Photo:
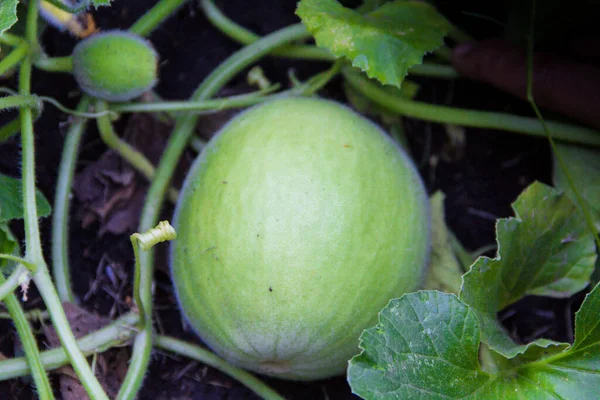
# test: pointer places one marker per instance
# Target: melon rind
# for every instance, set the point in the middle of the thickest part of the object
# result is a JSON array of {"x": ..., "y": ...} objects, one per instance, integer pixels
[
  {"x": 296, "y": 225},
  {"x": 115, "y": 65}
]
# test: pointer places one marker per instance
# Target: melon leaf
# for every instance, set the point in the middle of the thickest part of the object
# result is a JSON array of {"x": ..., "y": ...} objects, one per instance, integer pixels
[
  {"x": 426, "y": 347},
  {"x": 8, "y": 14},
  {"x": 11, "y": 200},
  {"x": 385, "y": 42}
]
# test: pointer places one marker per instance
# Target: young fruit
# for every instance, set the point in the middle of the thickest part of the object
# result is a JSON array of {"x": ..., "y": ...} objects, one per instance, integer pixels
[
  {"x": 296, "y": 226},
  {"x": 115, "y": 65}
]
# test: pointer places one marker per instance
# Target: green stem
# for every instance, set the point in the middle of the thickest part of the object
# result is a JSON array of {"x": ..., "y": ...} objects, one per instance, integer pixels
[
  {"x": 30, "y": 266},
  {"x": 29, "y": 344},
  {"x": 155, "y": 16},
  {"x": 117, "y": 333},
  {"x": 19, "y": 101},
  {"x": 178, "y": 141},
  {"x": 208, "y": 358},
  {"x": 136, "y": 277},
  {"x": 110, "y": 138},
  {"x": 55, "y": 64},
  {"x": 62, "y": 200},
  {"x": 9, "y": 285},
  {"x": 31, "y": 315},
  {"x": 239, "y": 101},
  {"x": 128, "y": 152},
  {"x": 32, "y": 235},
  {"x": 11, "y": 40},
  {"x": 242, "y": 35},
  {"x": 14, "y": 57},
  {"x": 471, "y": 118}
]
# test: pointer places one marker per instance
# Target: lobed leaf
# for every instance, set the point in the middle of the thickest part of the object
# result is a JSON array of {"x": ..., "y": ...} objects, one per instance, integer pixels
[
  {"x": 426, "y": 347},
  {"x": 546, "y": 250},
  {"x": 385, "y": 42},
  {"x": 11, "y": 200}
]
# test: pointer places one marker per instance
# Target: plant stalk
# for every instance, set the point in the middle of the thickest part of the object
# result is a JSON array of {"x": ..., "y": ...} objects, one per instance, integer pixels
[
  {"x": 124, "y": 149},
  {"x": 464, "y": 117},
  {"x": 54, "y": 64},
  {"x": 14, "y": 57},
  {"x": 62, "y": 201},
  {"x": 117, "y": 333},
  {"x": 155, "y": 16},
  {"x": 29, "y": 344},
  {"x": 209, "y": 358},
  {"x": 32, "y": 235}
]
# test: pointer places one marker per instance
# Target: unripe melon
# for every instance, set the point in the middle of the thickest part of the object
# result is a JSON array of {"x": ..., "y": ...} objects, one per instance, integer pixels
[
  {"x": 115, "y": 65},
  {"x": 296, "y": 225}
]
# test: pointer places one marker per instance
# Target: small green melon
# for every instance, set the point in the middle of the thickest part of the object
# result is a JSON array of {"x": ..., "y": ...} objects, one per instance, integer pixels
[
  {"x": 296, "y": 225},
  {"x": 115, "y": 65}
]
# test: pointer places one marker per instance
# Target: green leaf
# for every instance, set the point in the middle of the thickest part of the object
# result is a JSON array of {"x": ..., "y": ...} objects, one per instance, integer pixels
[
  {"x": 426, "y": 347},
  {"x": 8, "y": 244},
  {"x": 8, "y": 14},
  {"x": 445, "y": 272},
  {"x": 584, "y": 169},
  {"x": 11, "y": 200},
  {"x": 575, "y": 373},
  {"x": 545, "y": 250},
  {"x": 385, "y": 42}
]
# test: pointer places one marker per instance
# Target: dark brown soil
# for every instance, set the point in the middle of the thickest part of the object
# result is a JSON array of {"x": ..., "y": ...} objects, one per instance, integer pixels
[{"x": 480, "y": 181}]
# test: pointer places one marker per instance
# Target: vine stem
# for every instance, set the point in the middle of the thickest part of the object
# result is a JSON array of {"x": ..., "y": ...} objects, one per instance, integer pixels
[
  {"x": 465, "y": 117},
  {"x": 11, "y": 40},
  {"x": 155, "y": 16},
  {"x": 14, "y": 57},
  {"x": 208, "y": 358},
  {"x": 32, "y": 235},
  {"x": 62, "y": 201},
  {"x": 29, "y": 344},
  {"x": 19, "y": 101},
  {"x": 244, "y": 36},
  {"x": 238, "y": 101},
  {"x": 61, "y": 266},
  {"x": 54, "y": 64},
  {"x": 116, "y": 333},
  {"x": 178, "y": 141},
  {"x": 124, "y": 149}
]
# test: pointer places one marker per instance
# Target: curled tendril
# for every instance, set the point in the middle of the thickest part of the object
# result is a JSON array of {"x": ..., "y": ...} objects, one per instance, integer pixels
[{"x": 161, "y": 233}]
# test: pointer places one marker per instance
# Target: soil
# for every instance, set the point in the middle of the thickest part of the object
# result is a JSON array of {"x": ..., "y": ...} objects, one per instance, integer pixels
[{"x": 480, "y": 177}]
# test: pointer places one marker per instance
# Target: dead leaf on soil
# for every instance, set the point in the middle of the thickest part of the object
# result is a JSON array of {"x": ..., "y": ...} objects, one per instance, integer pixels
[{"x": 109, "y": 189}]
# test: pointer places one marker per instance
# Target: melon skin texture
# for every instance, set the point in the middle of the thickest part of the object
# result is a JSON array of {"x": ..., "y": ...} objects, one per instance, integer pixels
[
  {"x": 115, "y": 65},
  {"x": 296, "y": 225}
]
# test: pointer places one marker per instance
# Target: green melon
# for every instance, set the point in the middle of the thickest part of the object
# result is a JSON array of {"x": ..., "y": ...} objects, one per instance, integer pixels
[
  {"x": 296, "y": 225},
  {"x": 115, "y": 65}
]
